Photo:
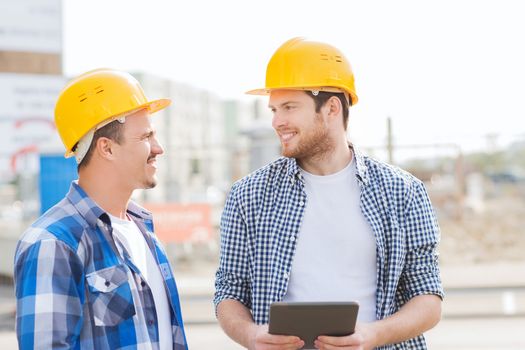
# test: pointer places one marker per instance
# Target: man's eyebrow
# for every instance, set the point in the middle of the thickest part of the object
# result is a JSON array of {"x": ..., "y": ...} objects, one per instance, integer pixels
[
  {"x": 284, "y": 104},
  {"x": 148, "y": 132}
]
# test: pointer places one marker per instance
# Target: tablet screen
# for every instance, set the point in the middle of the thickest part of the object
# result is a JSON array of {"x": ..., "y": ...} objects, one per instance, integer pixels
[{"x": 308, "y": 320}]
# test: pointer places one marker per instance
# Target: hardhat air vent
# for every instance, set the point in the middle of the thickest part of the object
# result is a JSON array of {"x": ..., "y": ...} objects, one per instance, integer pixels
[{"x": 326, "y": 57}]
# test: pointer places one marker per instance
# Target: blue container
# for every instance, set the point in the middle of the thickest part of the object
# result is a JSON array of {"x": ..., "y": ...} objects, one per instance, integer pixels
[{"x": 56, "y": 174}]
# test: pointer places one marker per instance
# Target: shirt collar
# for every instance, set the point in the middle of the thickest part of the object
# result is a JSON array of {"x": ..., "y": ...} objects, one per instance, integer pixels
[
  {"x": 361, "y": 168},
  {"x": 292, "y": 168},
  {"x": 90, "y": 210}
]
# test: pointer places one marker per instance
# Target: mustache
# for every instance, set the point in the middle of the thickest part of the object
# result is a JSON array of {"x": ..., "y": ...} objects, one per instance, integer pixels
[{"x": 285, "y": 130}]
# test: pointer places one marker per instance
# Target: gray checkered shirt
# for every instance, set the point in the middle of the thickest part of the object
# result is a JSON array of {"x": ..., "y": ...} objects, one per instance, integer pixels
[{"x": 265, "y": 209}]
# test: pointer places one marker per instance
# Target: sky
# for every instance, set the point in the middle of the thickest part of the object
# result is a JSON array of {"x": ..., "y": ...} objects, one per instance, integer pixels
[{"x": 443, "y": 71}]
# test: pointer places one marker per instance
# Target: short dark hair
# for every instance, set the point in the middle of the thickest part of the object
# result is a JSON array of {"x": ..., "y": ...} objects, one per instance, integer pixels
[
  {"x": 112, "y": 131},
  {"x": 324, "y": 96}
]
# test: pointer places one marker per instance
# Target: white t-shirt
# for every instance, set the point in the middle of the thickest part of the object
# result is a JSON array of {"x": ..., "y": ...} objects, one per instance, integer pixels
[
  {"x": 129, "y": 235},
  {"x": 335, "y": 257}
]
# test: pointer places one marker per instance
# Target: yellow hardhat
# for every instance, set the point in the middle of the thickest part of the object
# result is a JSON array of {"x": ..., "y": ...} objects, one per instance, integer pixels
[
  {"x": 95, "y": 97},
  {"x": 301, "y": 64}
]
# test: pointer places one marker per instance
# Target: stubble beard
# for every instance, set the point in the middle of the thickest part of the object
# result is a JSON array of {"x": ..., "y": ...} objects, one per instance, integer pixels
[
  {"x": 150, "y": 183},
  {"x": 315, "y": 145}
]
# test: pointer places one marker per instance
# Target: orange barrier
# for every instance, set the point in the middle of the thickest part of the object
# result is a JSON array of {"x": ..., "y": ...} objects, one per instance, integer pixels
[{"x": 179, "y": 223}]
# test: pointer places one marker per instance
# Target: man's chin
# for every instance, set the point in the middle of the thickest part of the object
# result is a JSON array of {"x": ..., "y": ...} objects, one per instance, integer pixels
[
  {"x": 150, "y": 184},
  {"x": 287, "y": 152}
]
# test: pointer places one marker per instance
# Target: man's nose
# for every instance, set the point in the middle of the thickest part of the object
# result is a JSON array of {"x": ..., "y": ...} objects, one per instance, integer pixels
[
  {"x": 156, "y": 147},
  {"x": 278, "y": 120}
]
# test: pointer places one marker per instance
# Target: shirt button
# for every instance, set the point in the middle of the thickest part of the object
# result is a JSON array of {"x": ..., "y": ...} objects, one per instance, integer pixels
[
  {"x": 301, "y": 203},
  {"x": 286, "y": 275},
  {"x": 143, "y": 284},
  {"x": 107, "y": 283},
  {"x": 292, "y": 238}
]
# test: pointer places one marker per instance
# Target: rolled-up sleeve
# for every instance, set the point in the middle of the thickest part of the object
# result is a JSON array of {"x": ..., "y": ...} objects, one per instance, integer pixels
[
  {"x": 233, "y": 275},
  {"x": 421, "y": 271},
  {"x": 49, "y": 291}
]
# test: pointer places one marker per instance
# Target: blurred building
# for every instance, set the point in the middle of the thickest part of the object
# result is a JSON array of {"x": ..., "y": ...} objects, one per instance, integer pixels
[
  {"x": 264, "y": 144},
  {"x": 209, "y": 143},
  {"x": 30, "y": 80}
]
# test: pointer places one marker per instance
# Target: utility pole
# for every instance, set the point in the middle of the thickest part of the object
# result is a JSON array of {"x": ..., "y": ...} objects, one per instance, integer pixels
[{"x": 389, "y": 140}]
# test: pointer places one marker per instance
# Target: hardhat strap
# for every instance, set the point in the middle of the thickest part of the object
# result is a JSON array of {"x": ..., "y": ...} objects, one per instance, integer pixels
[
  {"x": 85, "y": 142},
  {"x": 83, "y": 145}
]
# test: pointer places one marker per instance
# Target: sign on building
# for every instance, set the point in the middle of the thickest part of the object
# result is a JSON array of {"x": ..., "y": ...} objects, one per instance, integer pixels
[{"x": 26, "y": 118}]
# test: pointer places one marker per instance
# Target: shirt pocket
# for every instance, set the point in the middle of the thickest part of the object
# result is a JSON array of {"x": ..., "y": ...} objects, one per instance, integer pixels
[{"x": 110, "y": 296}]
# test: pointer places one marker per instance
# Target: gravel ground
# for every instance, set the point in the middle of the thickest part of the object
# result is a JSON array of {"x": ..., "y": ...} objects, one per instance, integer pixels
[{"x": 494, "y": 234}]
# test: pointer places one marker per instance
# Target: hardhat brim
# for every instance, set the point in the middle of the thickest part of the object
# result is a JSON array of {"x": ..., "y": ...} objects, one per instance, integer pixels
[
  {"x": 266, "y": 91},
  {"x": 258, "y": 92},
  {"x": 157, "y": 105}
]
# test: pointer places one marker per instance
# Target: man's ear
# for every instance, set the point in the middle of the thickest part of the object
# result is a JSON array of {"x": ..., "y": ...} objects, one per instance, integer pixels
[
  {"x": 104, "y": 148},
  {"x": 334, "y": 106}
]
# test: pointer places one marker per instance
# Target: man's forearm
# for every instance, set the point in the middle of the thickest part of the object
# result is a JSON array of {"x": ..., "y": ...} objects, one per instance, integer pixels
[
  {"x": 236, "y": 321},
  {"x": 418, "y": 315}
]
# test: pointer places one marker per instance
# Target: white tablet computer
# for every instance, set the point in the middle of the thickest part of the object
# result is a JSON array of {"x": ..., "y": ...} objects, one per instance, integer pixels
[{"x": 308, "y": 320}]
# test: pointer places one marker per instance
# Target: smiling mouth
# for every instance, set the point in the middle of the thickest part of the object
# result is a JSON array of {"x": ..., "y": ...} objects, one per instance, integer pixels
[
  {"x": 152, "y": 162},
  {"x": 285, "y": 137}
]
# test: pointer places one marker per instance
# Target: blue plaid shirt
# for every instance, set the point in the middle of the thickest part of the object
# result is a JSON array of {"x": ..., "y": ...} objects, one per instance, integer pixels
[
  {"x": 77, "y": 288},
  {"x": 263, "y": 215}
]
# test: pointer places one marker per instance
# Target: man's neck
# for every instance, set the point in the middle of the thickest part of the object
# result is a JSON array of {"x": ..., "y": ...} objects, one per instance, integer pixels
[
  {"x": 108, "y": 196},
  {"x": 329, "y": 163}
]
